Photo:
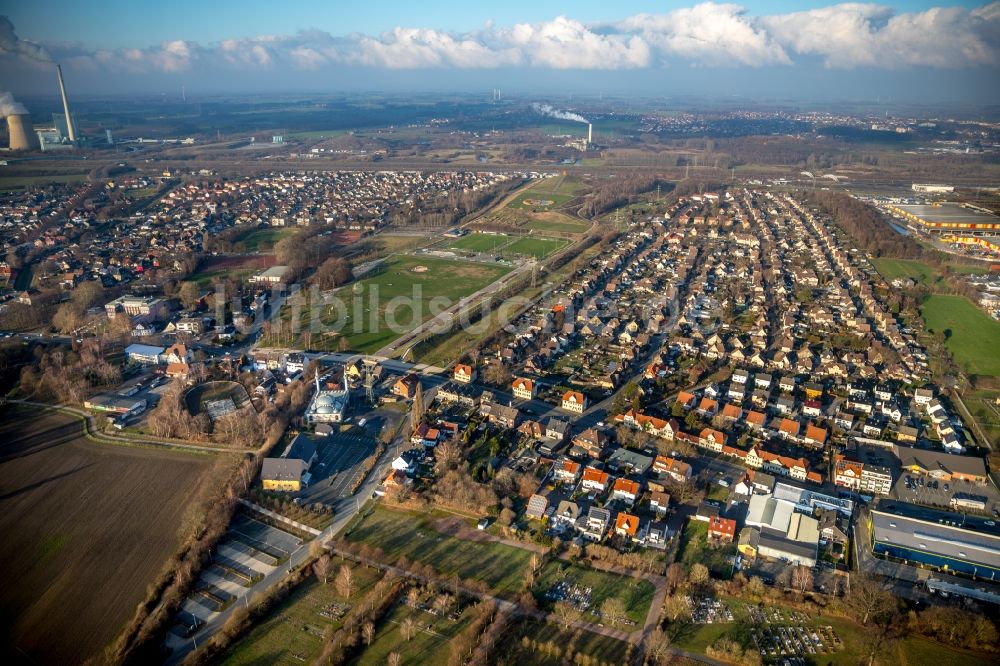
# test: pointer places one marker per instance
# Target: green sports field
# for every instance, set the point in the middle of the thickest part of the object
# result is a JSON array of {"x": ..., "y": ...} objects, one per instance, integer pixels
[
  {"x": 971, "y": 336},
  {"x": 535, "y": 247},
  {"x": 480, "y": 242}
]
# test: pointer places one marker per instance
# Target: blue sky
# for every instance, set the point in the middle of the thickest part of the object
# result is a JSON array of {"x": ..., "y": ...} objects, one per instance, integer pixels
[{"x": 921, "y": 50}]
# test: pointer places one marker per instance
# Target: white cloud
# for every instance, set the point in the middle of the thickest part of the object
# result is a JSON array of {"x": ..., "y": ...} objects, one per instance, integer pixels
[
  {"x": 707, "y": 34},
  {"x": 859, "y": 35},
  {"x": 567, "y": 44}
]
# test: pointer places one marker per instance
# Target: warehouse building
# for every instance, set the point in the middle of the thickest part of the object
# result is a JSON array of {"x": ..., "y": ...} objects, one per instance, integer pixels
[{"x": 951, "y": 542}]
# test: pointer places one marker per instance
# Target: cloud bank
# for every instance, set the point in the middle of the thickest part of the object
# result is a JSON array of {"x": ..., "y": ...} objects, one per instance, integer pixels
[{"x": 710, "y": 35}]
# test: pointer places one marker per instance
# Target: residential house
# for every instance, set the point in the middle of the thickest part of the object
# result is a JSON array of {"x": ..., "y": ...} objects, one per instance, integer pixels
[
  {"x": 574, "y": 401},
  {"x": 721, "y": 530},
  {"x": 596, "y": 524},
  {"x": 537, "y": 506},
  {"x": 566, "y": 515},
  {"x": 523, "y": 388},
  {"x": 591, "y": 443},
  {"x": 626, "y": 490},
  {"x": 465, "y": 374},
  {"x": 406, "y": 386},
  {"x": 627, "y": 525},
  {"x": 677, "y": 470},
  {"x": 659, "y": 503},
  {"x": 630, "y": 462},
  {"x": 566, "y": 471},
  {"x": 594, "y": 480}
]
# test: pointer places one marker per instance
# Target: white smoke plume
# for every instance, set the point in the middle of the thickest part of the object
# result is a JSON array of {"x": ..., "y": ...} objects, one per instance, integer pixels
[
  {"x": 12, "y": 44},
  {"x": 10, "y": 106},
  {"x": 552, "y": 112}
]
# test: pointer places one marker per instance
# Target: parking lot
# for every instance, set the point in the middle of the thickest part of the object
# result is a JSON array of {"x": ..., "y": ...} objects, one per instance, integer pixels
[
  {"x": 337, "y": 467},
  {"x": 249, "y": 551},
  {"x": 938, "y": 493}
]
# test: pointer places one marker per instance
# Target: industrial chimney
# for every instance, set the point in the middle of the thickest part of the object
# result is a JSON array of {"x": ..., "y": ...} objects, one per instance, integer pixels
[
  {"x": 590, "y": 133},
  {"x": 65, "y": 100},
  {"x": 22, "y": 134}
]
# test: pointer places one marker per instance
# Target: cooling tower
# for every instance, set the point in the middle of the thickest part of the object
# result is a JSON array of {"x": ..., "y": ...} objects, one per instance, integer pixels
[{"x": 22, "y": 134}]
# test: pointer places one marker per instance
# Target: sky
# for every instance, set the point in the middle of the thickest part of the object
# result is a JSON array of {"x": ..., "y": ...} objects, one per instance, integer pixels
[{"x": 911, "y": 51}]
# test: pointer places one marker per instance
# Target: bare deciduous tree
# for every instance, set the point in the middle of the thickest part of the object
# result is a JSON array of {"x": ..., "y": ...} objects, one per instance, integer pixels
[{"x": 345, "y": 581}]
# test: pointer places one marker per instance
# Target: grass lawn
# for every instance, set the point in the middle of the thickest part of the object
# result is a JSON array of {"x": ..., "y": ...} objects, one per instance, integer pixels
[
  {"x": 918, "y": 271},
  {"x": 209, "y": 278},
  {"x": 603, "y": 648},
  {"x": 972, "y": 337},
  {"x": 535, "y": 247},
  {"x": 536, "y": 199},
  {"x": 253, "y": 239},
  {"x": 392, "y": 287},
  {"x": 398, "y": 533},
  {"x": 480, "y": 242},
  {"x": 921, "y": 272},
  {"x": 982, "y": 404},
  {"x": 558, "y": 222},
  {"x": 636, "y": 594},
  {"x": 429, "y": 645},
  {"x": 293, "y": 631}
]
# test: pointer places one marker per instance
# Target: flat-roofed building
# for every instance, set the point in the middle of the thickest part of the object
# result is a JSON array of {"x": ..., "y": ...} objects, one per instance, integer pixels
[
  {"x": 949, "y": 219},
  {"x": 941, "y": 465},
  {"x": 948, "y": 541},
  {"x": 273, "y": 275}
]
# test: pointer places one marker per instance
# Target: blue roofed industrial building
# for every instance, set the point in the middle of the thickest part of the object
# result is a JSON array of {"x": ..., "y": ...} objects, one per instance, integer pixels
[{"x": 950, "y": 542}]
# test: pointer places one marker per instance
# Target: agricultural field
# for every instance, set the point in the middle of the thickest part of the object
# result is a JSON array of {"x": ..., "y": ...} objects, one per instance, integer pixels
[
  {"x": 293, "y": 631},
  {"x": 971, "y": 336},
  {"x": 87, "y": 527},
  {"x": 395, "y": 279},
  {"x": 500, "y": 566},
  {"x": 535, "y": 247},
  {"x": 636, "y": 594}
]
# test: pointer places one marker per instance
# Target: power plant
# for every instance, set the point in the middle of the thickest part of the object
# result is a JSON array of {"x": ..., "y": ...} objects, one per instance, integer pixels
[
  {"x": 71, "y": 131},
  {"x": 22, "y": 134}
]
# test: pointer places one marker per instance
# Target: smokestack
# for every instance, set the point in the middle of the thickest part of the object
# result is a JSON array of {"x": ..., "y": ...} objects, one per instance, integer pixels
[
  {"x": 22, "y": 134},
  {"x": 590, "y": 134},
  {"x": 65, "y": 100}
]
